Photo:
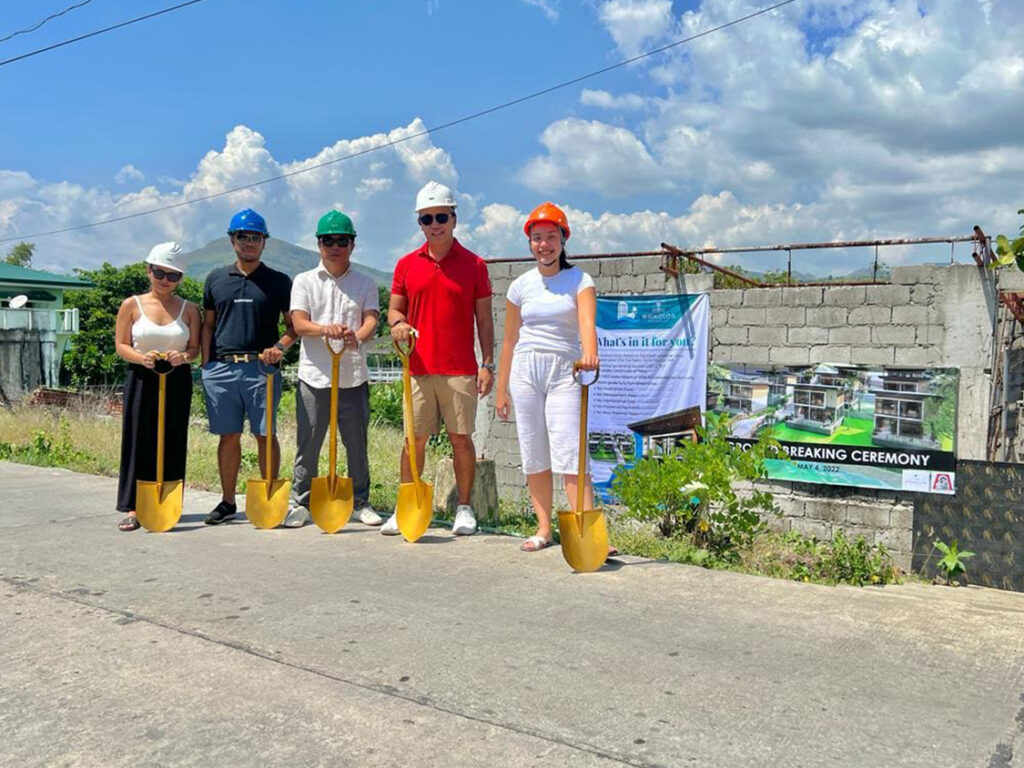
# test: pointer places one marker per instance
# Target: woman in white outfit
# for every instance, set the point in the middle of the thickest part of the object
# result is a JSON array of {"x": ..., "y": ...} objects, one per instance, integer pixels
[
  {"x": 549, "y": 314},
  {"x": 155, "y": 322}
]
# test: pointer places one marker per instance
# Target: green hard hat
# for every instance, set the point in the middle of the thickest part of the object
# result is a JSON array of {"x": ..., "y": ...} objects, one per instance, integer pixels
[{"x": 335, "y": 223}]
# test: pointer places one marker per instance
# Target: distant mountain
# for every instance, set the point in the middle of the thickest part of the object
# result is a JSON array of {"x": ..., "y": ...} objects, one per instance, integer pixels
[{"x": 281, "y": 255}]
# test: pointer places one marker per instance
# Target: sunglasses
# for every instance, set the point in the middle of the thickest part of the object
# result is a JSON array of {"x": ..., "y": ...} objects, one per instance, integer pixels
[
  {"x": 248, "y": 237},
  {"x": 429, "y": 218},
  {"x": 163, "y": 274},
  {"x": 342, "y": 241}
]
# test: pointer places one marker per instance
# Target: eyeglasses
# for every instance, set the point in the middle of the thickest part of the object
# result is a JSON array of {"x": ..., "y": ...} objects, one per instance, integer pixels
[
  {"x": 163, "y": 274},
  {"x": 248, "y": 237},
  {"x": 429, "y": 218},
  {"x": 342, "y": 241}
]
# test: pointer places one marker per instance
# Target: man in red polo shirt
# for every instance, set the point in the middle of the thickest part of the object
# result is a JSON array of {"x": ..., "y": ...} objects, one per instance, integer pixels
[{"x": 439, "y": 290}]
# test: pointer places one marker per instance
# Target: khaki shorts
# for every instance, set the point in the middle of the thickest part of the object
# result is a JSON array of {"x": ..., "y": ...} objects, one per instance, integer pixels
[{"x": 448, "y": 398}]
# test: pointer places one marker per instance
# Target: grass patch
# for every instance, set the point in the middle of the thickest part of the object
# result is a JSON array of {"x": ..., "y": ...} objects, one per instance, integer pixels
[{"x": 89, "y": 441}]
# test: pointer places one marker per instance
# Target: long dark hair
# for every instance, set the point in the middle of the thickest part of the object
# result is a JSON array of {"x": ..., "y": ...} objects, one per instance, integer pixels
[{"x": 563, "y": 260}]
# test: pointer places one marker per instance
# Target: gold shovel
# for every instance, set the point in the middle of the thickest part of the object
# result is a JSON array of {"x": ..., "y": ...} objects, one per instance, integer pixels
[
  {"x": 158, "y": 504},
  {"x": 415, "y": 506},
  {"x": 583, "y": 533},
  {"x": 266, "y": 500},
  {"x": 330, "y": 498}
]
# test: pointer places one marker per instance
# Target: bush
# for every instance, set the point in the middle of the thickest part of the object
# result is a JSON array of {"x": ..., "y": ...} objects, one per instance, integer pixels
[
  {"x": 691, "y": 490},
  {"x": 386, "y": 403}
]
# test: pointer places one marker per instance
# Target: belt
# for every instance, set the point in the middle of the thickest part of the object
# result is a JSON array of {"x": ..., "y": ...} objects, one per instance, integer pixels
[{"x": 246, "y": 357}]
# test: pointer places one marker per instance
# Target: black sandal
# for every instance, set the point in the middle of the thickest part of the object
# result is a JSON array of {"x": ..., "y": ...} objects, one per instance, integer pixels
[{"x": 129, "y": 523}]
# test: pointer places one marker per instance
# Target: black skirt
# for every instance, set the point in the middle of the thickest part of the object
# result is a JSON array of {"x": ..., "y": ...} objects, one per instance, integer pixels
[{"x": 139, "y": 429}]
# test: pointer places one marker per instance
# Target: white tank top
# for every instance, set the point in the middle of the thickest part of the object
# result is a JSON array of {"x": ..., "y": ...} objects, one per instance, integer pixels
[{"x": 147, "y": 336}]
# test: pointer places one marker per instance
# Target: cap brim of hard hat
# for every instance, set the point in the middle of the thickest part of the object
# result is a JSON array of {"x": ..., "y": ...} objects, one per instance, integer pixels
[{"x": 164, "y": 265}]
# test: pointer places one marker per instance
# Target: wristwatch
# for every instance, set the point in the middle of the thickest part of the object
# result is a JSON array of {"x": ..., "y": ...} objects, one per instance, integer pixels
[
  {"x": 279, "y": 345},
  {"x": 489, "y": 366}
]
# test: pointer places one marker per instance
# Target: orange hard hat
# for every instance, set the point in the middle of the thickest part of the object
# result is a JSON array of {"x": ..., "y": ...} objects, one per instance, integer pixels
[{"x": 547, "y": 212}]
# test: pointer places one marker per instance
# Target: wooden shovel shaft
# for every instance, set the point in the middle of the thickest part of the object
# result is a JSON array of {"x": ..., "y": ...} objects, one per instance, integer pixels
[
  {"x": 584, "y": 397},
  {"x": 160, "y": 414},
  {"x": 410, "y": 434},
  {"x": 268, "y": 470},
  {"x": 335, "y": 363}
]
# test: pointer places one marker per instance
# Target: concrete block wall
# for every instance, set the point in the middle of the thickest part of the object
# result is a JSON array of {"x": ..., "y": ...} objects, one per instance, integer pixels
[{"x": 927, "y": 316}]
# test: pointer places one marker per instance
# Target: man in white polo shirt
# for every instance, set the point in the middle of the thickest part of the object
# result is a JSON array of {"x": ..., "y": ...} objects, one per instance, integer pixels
[{"x": 333, "y": 301}]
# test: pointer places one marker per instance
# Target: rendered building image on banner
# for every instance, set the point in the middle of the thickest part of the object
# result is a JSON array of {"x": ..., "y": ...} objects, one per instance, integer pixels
[
  {"x": 654, "y": 352},
  {"x": 864, "y": 426}
]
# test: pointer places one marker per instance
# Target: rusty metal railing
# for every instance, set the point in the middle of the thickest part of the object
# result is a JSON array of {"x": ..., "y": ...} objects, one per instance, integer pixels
[{"x": 672, "y": 255}]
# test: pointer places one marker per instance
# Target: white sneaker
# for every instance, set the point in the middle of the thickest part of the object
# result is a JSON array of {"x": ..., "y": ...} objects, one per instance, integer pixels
[
  {"x": 465, "y": 521},
  {"x": 297, "y": 517},
  {"x": 390, "y": 528},
  {"x": 366, "y": 515}
]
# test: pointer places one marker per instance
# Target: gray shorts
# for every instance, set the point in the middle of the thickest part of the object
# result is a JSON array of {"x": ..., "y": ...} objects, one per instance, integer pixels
[{"x": 236, "y": 392}]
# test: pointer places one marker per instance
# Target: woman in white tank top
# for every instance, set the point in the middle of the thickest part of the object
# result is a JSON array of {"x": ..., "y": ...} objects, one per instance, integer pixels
[{"x": 148, "y": 325}]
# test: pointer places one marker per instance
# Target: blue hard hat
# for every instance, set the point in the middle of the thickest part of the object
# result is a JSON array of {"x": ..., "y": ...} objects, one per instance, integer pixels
[{"x": 248, "y": 221}]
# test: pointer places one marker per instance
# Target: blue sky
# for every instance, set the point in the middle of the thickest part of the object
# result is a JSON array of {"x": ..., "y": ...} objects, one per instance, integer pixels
[{"x": 828, "y": 119}]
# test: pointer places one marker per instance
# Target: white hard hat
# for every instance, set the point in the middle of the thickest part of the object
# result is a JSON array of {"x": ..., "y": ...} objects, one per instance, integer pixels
[
  {"x": 167, "y": 255},
  {"x": 434, "y": 195}
]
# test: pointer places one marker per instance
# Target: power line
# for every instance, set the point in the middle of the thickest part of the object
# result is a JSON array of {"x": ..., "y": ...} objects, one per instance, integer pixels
[
  {"x": 51, "y": 17},
  {"x": 410, "y": 137},
  {"x": 97, "y": 32}
]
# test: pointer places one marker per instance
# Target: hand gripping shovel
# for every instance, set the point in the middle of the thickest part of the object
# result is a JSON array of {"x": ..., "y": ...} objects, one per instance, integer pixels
[
  {"x": 583, "y": 533},
  {"x": 330, "y": 498},
  {"x": 158, "y": 504},
  {"x": 266, "y": 500},
  {"x": 415, "y": 506}
]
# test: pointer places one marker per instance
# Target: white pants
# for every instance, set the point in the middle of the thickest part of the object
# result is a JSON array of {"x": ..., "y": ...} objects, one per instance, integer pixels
[{"x": 547, "y": 405}]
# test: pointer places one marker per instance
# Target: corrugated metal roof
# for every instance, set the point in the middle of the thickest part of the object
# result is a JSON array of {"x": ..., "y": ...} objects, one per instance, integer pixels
[{"x": 9, "y": 273}]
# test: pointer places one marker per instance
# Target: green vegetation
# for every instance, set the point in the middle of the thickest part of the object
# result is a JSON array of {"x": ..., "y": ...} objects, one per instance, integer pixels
[
  {"x": 691, "y": 491},
  {"x": 1010, "y": 251},
  {"x": 951, "y": 566},
  {"x": 20, "y": 255}
]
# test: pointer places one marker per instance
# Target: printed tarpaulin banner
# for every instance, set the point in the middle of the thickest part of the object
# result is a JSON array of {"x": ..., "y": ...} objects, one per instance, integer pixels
[
  {"x": 654, "y": 353},
  {"x": 888, "y": 427}
]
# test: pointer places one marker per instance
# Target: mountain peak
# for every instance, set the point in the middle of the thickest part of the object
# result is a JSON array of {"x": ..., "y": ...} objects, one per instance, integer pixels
[{"x": 279, "y": 254}]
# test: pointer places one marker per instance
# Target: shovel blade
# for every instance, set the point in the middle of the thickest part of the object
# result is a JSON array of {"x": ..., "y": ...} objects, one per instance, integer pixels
[
  {"x": 158, "y": 505},
  {"x": 414, "y": 512},
  {"x": 331, "y": 507},
  {"x": 266, "y": 503},
  {"x": 584, "y": 539}
]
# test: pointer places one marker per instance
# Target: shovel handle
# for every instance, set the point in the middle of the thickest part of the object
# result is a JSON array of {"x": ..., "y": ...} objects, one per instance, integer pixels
[
  {"x": 330, "y": 350},
  {"x": 407, "y": 352},
  {"x": 578, "y": 378}
]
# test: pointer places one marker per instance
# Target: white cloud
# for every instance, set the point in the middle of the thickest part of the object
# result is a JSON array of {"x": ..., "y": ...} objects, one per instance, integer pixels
[
  {"x": 129, "y": 173},
  {"x": 843, "y": 118},
  {"x": 548, "y": 7},
  {"x": 636, "y": 24},
  {"x": 590, "y": 153},
  {"x": 377, "y": 189},
  {"x": 605, "y": 100}
]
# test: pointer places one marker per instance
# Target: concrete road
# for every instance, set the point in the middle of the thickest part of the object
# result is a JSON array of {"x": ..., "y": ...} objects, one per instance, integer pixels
[{"x": 231, "y": 646}]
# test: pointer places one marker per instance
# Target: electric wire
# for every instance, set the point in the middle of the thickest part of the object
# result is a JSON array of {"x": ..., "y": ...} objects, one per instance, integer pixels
[
  {"x": 410, "y": 137},
  {"x": 86, "y": 36},
  {"x": 51, "y": 17}
]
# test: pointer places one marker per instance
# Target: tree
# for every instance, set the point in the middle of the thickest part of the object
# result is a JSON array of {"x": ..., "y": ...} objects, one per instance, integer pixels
[
  {"x": 91, "y": 358},
  {"x": 20, "y": 255},
  {"x": 383, "y": 298}
]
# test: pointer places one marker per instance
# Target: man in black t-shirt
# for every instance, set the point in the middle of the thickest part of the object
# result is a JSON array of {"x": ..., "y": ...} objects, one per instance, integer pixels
[{"x": 240, "y": 339}]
